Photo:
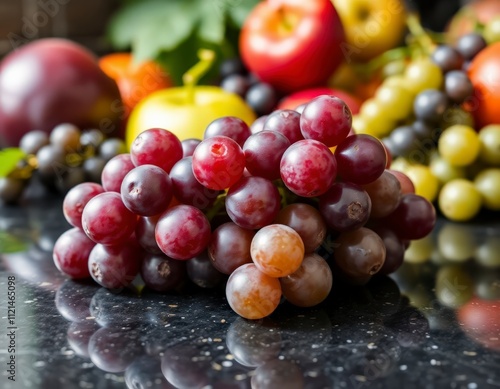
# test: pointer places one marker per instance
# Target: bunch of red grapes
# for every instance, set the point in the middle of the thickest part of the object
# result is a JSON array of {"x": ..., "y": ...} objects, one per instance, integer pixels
[{"x": 282, "y": 209}]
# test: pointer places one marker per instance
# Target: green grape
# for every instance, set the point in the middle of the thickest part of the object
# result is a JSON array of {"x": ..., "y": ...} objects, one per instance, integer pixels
[
  {"x": 445, "y": 171},
  {"x": 396, "y": 100},
  {"x": 489, "y": 137},
  {"x": 423, "y": 74},
  {"x": 487, "y": 183},
  {"x": 426, "y": 184},
  {"x": 459, "y": 200},
  {"x": 491, "y": 32},
  {"x": 459, "y": 145}
]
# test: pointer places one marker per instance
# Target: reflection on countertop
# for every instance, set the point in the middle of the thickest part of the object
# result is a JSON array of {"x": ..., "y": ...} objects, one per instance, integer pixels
[{"x": 435, "y": 323}]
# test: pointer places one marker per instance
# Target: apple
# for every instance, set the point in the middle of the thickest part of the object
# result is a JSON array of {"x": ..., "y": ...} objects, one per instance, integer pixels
[
  {"x": 292, "y": 44},
  {"x": 51, "y": 81},
  {"x": 185, "y": 115},
  {"x": 371, "y": 27},
  {"x": 295, "y": 99}
]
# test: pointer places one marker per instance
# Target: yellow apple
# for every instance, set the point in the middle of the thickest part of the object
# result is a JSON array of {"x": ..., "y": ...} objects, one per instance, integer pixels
[{"x": 371, "y": 27}]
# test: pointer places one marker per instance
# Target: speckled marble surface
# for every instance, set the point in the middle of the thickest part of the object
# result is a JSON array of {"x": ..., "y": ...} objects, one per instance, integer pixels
[{"x": 407, "y": 330}]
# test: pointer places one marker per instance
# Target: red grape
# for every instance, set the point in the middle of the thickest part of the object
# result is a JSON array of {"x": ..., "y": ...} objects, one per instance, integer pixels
[
  {"x": 145, "y": 234},
  {"x": 229, "y": 126},
  {"x": 286, "y": 122},
  {"x": 71, "y": 253},
  {"x": 327, "y": 119},
  {"x": 218, "y": 162},
  {"x": 106, "y": 220},
  {"x": 76, "y": 199},
  {"x": 188, "y": 146},
  {"x": 405, "y": 181},
  {"x": 114, "y": 171},
  {"x": 385, "y": 194},
  {"x": 308, "y": 168},
  {"x": 182, "y": 232}
]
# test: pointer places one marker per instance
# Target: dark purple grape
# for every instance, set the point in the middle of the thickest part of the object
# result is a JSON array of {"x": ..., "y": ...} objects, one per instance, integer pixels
[
  {"x": 229, "y": 247},
  {"x": 69, "y": 177},
  {"x": 447, "y": 58},
  {"x": 115, "y": 267},
  {"x": 231, "y": 66},
  {"x": 145, "y": 234},
  {"x": 188, "y": 146},
  {"x": 345, "y": 206},
  {"x": 430, "y": 105},
  {"x": 33, "y": 141},
  {"x": 394, "y": 250},
  {"x": 263, "y": 151},
  {"x": 402, "y": 140},
  {"x": 93, "y": 167},
  {"x": 286, "y": 122},
  {"x": 385, "y": 194},
  {"x": 146, "y": 190},
  {"x": 458, "y": 86},
  {"x": 361, "y": 159},
  {"x": 470, "y": 44},
  {"x": 202, "y": 272},
  {"x": 253, "y": 202},
  {"x": 92, "y": 138},
  {"x": 235, "y": 83},
  {"x": 262, "y": 98},
  {"x": 51, "y": 160},
  {"x": 161, "y": 273},
  {"x": 423, "y": 130},
  {"x": 186, "y": 187}
]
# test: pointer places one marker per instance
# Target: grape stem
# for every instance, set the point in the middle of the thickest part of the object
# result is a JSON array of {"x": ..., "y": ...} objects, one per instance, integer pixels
[
  {"x": 219, "y": 203},
  {"x": 193, "y": 75}
]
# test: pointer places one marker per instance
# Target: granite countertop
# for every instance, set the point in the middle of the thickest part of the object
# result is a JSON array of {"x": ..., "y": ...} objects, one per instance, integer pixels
[{"x": 433, "y": 324}]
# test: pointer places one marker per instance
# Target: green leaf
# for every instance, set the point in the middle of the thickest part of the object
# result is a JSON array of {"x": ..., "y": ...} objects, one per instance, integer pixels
[
  {"x": 212, "y": 22},
  {"x": 11, "y": 244},
  {"x": 9, "y": 158},
  {"x": 238, "y": 10}
]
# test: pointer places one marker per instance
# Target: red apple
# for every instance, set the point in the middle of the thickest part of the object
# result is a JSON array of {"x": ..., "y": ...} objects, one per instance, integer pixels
[
  {"x": 292, "y": 44},
  {"x": 50, "y": 81},
  {"x": 295, "y": 99}
]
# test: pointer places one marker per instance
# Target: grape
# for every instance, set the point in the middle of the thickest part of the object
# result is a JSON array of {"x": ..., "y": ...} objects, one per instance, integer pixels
[
  {"x": 114, "y": 171},
  {"x": 262, "y": 98},
  {"x": 385, "y": 194},
  {"x": 115, "y": 267},
  {"x": 445, "y": 171},
  {"x": 488, "y": 184},
  {"x": 146, "y": 190},
  {"x": 459, "y": 145},
  {"x": 161, "y": 273},
  {"x": 327, "y": 119},
  {"x": 395, "y": 101},
  {"x": 93, "y": 168},
  {"x": 306, "y": 221},
  {"x": 447, "y": 58},
  {"x": 202, "y": 272},
  {"x": 112, "y": 147},
  {"x": 286, "y": 122},
  {"x": 361, "y": 159},
  {"x": 423, "y": 74},
  {"x": 71, "y": 253},
  {"x": 489, "y": 138},
  {"x": 235, "y": 83},
  {"x": 458, "y": 86},
  {"x": 229, "y": 247},
  {"x": 252, "y": 202},
  {"x": 263, "y": 151},
  {"x": 218, "y": 162},
  {"x": 231, "y": 66},
  {"x": 402, "y": 141},
  {"x": 182, "y": 232},
  {"x": 156, "y": 146},
  {"x": 251, "y": 293},
  {"x": 11, "y": 189},
  {"x": 430, "y": 105},
  {"x": 345, "y": 206},
  {"x": 459, "y": 200},
  {"x": 186, "y": 187},
  {"x": 310, "y": 284},
  {"x": 394, "y": 250},
  {"x": 414, "y": 217},
  {"x": 405, "y": 182},
  {"x": 75, "y": 200},
  {"x": 258, "y": 124},
  {"x": 277, "y": 250},
  {"x": 106, "y": 220},
  {"x": 422, "y": 130},
  {"x": 68, "y": 177},
  {"x": 308, "y": 168},
  {"x": 92, "y": 138},
  {"x": 470, "y": 44},
  {"x": 359, "y": 253},
  {"x": 33, "y": 141},
  {"x": 145, "y": 234},
  {"x": 51, "y": 161},
  {"x": 188, "y": 147},
  {"x": 66, "y": 136},
  {"x": 229, "y": 126},
  {"x": 426, "y": 184}
]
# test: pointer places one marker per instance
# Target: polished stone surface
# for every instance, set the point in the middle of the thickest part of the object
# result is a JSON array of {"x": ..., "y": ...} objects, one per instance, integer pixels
[{"x": 434, "y": 324}]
